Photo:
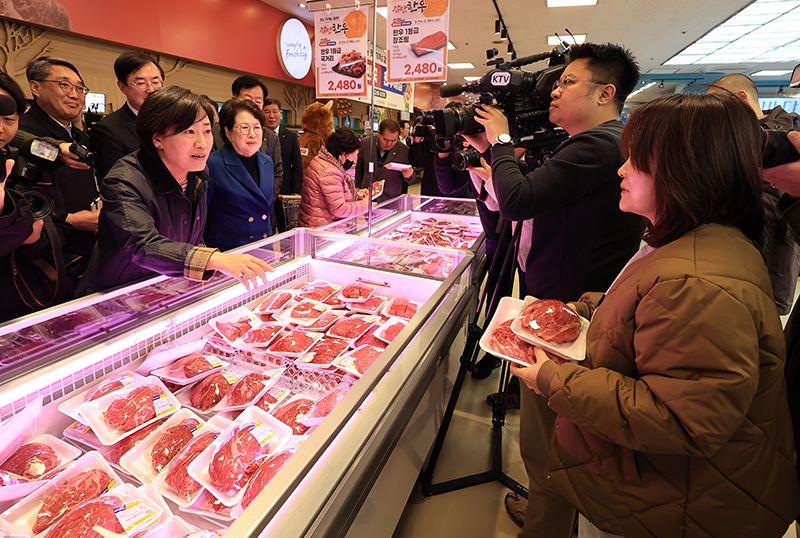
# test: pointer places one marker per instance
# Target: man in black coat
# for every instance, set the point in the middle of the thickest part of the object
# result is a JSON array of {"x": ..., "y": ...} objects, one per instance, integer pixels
[
  {"x": 113, "y": 137},
  {"x": 290, "y": 154},
  {"x": 391, "y": 162},
  {"x": 60, "y": 97}
]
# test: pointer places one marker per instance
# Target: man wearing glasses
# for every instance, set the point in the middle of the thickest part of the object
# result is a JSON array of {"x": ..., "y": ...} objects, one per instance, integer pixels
[
  {"x": 580, "y": 240},
  {"x": 113, "y": 137},
  {"x": 59, "y": 99}
]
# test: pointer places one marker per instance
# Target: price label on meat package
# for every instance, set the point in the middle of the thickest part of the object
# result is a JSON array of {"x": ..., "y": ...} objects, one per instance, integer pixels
[
  {"x": 341, "y": 52},
  {"x": 416, "y": 37},
  {"x": 163, "y": 405},
  {"x": 262, "y": 432},
  {"x": 134, "y": 516}
]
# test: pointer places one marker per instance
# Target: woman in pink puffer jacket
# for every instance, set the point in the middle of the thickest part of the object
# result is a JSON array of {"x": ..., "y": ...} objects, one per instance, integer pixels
[{"x": 329, "y": 193}]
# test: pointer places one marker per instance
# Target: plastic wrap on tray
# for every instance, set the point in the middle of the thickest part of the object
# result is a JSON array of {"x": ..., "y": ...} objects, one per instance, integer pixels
[
  {"x": 292, "y": 411},
  {"x": 209, "y": 392},
  {"x": 177, "y": 476},
  {"x": 120, "y": 448},
  {"x": 32, "y": 461}
]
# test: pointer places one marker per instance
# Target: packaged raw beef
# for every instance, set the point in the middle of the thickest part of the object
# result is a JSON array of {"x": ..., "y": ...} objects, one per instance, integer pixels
[
  {"x": 263, "y": 334},
  {"x": 402, "y": 308},
  {"x": 31, "y": 461},
  {"x": 275, "y": 302},
  {"x": 247, "y": 388},
  {"x": 368, "y": 339},
  {"x": 296, "y": 342},
  {"x": 119, "y": 448},
  {"x": 237, "y": 459},
  {"x": 10, "y": 479},
  {"x": 209, "y": 392},
  {"x": 324, "y": 406},
  {"x": 264, "y": 474},
  {"x": 292, "y": 411},
  {"x": 177, "y": 476},
  {"x": 271, "y": 398},
  {"x": 351, "y": 328},
  {"x": 326, "y": 350},
  {"x": 370, "y": 306},
  {"x": 192, "y": 365},
  {"x": 319, "y": 290},
  {"x": 69, "y": 494},
  {"x": 110, "y": 385},
  {"x": 334, "y": 301},
  {"x": 81, "y": 520},
  {"x": 551, "y": 320},
  {"x": 364, "y": 358},
  {"x": 505, "y": 342},
  {"x": 391, "y": 330},
  {"x": 357, "y": 291},
  {"x": 128, "y": 412},
  {"x": 325, "y": 321},
  {"x": 307, "y": 311},
  {"x": 172, "y": 442},
  {"x": 233, "y": 329}
]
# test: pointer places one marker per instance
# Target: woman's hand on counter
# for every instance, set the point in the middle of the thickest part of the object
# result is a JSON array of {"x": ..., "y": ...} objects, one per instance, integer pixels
[{"x": 244, "y": 267}]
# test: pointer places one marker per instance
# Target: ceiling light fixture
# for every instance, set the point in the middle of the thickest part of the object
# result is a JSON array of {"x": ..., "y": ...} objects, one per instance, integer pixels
[
  {"x": 497, "y": 27},
  {"x": 510, "y": 49},
  {"x": 471, "y": 79},
  {"x": 301, "y": 5},
  {"x": 640, "y": 90},
  {"x": 780, "y": 91},
  {"x": 513, "y": 56},
  {"x": 464, "y": 65},
  {"x": 661, "y": 85},
  {"x": 771, "y": 73},
  {"x": 504, "y": 33},
  {"x": 553, "y": 40},
  {"x": 570, "y": 3}
]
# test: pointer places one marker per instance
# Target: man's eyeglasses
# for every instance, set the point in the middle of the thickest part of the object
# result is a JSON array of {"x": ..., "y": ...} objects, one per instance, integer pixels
[
  {"x": 566, "y": 81},
  {"x": 67, "y": 86},
  {"x": 246, "y": 129},
  {"x": 142, "y": 85}
]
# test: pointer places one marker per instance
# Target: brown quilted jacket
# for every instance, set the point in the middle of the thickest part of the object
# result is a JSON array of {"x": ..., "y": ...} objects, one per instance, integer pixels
[
  {"x": 677, "y": 423},
  {"x": 328, "y": 193}
]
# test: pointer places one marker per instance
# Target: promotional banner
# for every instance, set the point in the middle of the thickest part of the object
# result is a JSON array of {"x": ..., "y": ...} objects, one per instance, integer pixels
[
  {"x": 397, "y": 96},
  {"x": 341, "y": 49},
  {"x": 416, "y": 35}
]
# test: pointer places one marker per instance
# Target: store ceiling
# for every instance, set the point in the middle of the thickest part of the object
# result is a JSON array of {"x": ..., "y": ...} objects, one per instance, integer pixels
[{"x": 654, "y": 30}]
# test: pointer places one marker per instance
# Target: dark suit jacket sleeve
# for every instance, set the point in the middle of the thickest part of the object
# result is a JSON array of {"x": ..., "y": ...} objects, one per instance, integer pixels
[
  {"x": 273, "y": 144},
  {"x": 297, "y": 166},
  {"x": 360, "y": 163},
  {"x": 107, "y": 147}
]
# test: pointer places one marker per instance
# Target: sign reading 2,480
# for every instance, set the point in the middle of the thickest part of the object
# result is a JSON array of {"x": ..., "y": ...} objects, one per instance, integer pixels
[
  {"x": 343, "y": 85},
  {"x": 427, "y": 68}
]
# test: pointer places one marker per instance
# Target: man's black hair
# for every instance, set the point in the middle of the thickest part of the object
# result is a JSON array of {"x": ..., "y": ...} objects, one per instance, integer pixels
[
  {"x": 10, "y": 86},
  {"x": 40, "y": 68},
  {"x": 246, "y": 82},
  {"x": 611, "y": 64},
  {"x": 129, "y": 62}
]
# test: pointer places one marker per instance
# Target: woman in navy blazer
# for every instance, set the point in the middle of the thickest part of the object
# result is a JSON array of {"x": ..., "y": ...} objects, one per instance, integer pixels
[{"x": 240, "y": 195}]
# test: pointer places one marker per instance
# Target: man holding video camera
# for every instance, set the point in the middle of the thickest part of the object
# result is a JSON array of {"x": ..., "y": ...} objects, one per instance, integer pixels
[
  {"x": 581, "y": 239},
  {"x": 59, "y": 98}
]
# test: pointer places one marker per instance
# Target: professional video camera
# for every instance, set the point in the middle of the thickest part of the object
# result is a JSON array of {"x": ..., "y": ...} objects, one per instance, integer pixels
[
  {"x": 27, "y": 176},
  {"x": 522, "y": 96},
  {"x": 776, "y": 149}
]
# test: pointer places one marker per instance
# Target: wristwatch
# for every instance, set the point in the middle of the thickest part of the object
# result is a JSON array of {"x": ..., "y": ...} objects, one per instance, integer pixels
[{"x": 502, "y": 138}]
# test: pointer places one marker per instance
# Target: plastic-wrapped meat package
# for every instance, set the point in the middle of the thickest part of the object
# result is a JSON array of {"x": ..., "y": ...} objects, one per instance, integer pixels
[
  {"x": 104, "y": 387},
  {"x": 264, "y": 474},
  {"x": 234, "y": 329},
  {"x": 81, "y": 520},
  {"x": 324, "y": 321},
  {"x": 209, "y": 392},
  {"x": 69, "y": 494},
  {"x": 9, "y": 479},
  {"x": 356, "y": 290},
  {"x": 294, "y": 342},
  {"x": 266, "y": 402},
  {"x": 262, "y": 334},
  {"x": 65, "y": 326},
  {"x": 247, "y": 388},
  {"x": 334, "y": 301},
  {"x": 371, "y": 305},
  {"x": 324, "y": 406},
  {"x": 328, "y": 349},
  {"x": 307, "y": 310},
  {"x": 31, "y": 461},
  {"x": 177, "y": 476},
  {"x": 275, "y": 301},
  {"x": 551, "y": 320},
  {"x": 391, "y": 332},
  {"x": 365, "y": 357},
  {"x": 121, "y": 447},
  {"x": 291, "y": 412},
  {"x": 368, "y": 338},
  {"x": 236, "y": 460},
  {"x": 172, "y": 442},
  {"x": 192, "y": 365},
  {"x": 402, "y": 308},
  {"x": 128, "y": 412},
  {"x": 505, "y": 342},
  {"x": 209, "y": 502},
  {"x": 317, "y": 291},
  {"x": 350, "y": 328}
]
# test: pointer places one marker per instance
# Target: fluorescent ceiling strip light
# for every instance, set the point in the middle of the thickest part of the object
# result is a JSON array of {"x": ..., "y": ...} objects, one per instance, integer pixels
[
  {"x": 570, "y": 3},
  {"x": 552, "y": 40},
  {"x": 471, "y": 79},
  {"x": 771, "y": 73},
  {"x": 465, "y": 65}
]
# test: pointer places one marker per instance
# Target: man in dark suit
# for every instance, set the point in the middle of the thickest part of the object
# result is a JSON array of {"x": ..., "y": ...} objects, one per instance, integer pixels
[
  {"x": 249, "y": 87},
  {"x": 138, "y": 75},
  {"x": 387, "y": 154},
  {"x": 290, "y": 154},
  {"x": 59, "y": 99}
]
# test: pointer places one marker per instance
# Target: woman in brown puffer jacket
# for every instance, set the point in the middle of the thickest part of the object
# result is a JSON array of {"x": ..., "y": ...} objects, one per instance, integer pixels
[
  {"x": 329, "y": 193},
  {"x": 677, "y": 423}
]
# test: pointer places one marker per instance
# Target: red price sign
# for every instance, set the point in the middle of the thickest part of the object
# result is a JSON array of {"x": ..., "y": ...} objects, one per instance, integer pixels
[
  {"x": 429, "y": 68},
  {"x": 343, "y": 85}
]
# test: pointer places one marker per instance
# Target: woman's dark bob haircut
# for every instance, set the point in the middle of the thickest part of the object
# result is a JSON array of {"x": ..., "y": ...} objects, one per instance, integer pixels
[
  {"x": 342, "y": 140},
  {"x": 703, "y": 152},
  {"x": 170, "y": 110},
  {"x": 229, "y": 111}
]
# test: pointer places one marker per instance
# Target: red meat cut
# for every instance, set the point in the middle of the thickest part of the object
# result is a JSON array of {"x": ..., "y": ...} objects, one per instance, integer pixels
[
  {"x": 324, "y": 321},
  {"x": 430, "y": 43},
  {"x": 294, "y": 342},
  {"x": 266, "y": 402},
  {"x": 192, "y": 365},
  {"x": 275, "y": 301},
  {"x": 350, "y": 328},
  {"x": 234, "y": 329},
  {"x": 365, "y": 357},
  {"x": 237, "y": 459},
  {"x": 172, "y": 442},
  {"x": 551, "y": 320},
  {"x": 109, "y": 385},
  {"x": 328, "y": 349},
  {"x": 69, "y": 494},
  {"x": 391, "y": 332},
  {"x": 371, "y": 305},
  {"x": 504, "y": 341},
  {"x": 209, "y": 392},
  {"x": 335, "y": 301},
  {"x": 324, "y": 406},
  {"x": 177, "y": 476},
  {"x": 306, "y": 310},
  {"x": 128, "y": 412},
  {"x": 318, "y": 291},
  {"x": 31, "y": 461},
  {"x": 263, "y": 476},
  {"x": 262, "y": 334},
  {"x": 296, "y": 409},
  {"x": 247, "y": 388},
  {"x": 81, "y": 520},
  {"x": 402, "y": 308},
  {"x": 119, "y": 448},
  {"x": 356, "y": 290}
]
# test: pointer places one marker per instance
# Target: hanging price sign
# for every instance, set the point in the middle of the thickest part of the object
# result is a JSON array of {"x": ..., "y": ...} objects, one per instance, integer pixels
[
  {"x": 341, "y": 50},
  {"x": 416, "y": 36}
]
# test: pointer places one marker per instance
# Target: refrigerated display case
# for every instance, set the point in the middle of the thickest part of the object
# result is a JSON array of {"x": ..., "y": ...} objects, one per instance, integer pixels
[{"x": 368, "y": 450}]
